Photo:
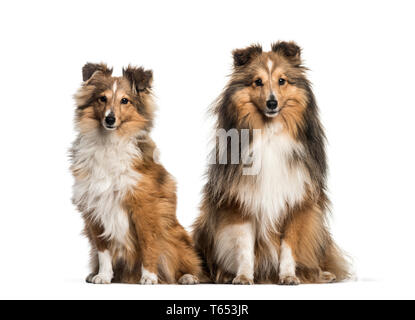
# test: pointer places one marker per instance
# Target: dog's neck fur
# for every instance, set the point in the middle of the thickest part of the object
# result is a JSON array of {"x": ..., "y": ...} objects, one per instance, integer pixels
[
  {"x": 280, "y": 183},
  {"x": 106, "y": 161}
]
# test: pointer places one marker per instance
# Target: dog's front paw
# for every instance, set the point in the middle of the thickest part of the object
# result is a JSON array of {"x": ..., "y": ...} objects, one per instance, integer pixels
[
  {"x": 243, "y": 280},
  {"x": 188, "y": 279},
  {"x": 289, "y": 281},
  {"x": 99, "y": 278},
  {"x": 148, "y": 278}
]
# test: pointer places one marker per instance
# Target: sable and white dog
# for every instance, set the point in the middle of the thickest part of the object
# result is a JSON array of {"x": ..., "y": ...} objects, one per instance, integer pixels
[
  {"x": 128, "y": 201},
  {"x": 269, "y": 227}
]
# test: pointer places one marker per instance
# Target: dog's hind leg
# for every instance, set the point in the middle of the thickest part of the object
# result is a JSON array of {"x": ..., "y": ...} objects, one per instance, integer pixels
[
  {"x": 190, "y": 270},
  {"x": 303, "y": 247}
]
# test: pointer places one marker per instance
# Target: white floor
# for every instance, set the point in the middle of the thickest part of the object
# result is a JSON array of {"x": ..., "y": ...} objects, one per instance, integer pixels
[{"x": 77, "y": 289}]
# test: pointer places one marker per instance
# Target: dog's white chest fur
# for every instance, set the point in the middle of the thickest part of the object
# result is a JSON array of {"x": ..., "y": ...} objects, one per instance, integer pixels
[
  {"x": 107, "y": 175},
  {"x": 279, "y": 182}
]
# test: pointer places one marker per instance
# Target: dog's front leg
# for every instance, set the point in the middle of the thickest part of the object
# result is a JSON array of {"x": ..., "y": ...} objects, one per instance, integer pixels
[
  {"x": 105, "y": 272},
  {"x": 235, "y": 251},
  {"x": 102, "y": 272}
]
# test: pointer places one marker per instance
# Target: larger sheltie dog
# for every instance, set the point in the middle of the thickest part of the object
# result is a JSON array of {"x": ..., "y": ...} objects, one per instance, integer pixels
[
  {"x": 269, "y": 227},
  {"x": 128, "y": 201}
]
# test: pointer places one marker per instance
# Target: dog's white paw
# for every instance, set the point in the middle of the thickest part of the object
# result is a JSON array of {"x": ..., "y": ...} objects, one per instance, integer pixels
[
  {"x": 148, "y": 277},
  {"x": 188, "y": 279},
  {"x": 243, "y": 280},
  {"x": 100, "y": 278}
]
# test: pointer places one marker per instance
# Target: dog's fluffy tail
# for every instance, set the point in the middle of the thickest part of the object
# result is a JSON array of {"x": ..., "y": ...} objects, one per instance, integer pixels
[{"x": 334, "y": 266}]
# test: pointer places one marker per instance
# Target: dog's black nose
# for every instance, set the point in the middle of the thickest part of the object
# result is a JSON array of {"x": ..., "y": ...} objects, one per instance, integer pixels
[
  {"x": 272, "y": 104},
  {"x": 110, "y": 119}
]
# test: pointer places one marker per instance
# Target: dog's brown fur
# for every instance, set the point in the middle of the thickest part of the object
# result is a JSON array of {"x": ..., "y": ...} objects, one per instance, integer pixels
[
  {"x": 302, "y": 226},
  {"x": 155, "y": 240}
]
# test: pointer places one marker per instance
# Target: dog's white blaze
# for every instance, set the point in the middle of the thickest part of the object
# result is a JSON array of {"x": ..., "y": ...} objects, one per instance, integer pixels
[
  {"x": 148, "y": 277},
  {"x": 279, "y": 182},
  {"x": 106, "y": 160},
  {"x": 114, "y": 87},
  {"x": 234, "y": 249},
  {"x": 287, "y": 263},
  {"x": 107, "y": 112},
  {"x": 270, "y": 65}
]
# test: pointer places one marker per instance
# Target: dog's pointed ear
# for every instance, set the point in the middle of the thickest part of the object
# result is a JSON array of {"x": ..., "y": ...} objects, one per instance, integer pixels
[
  {"x": 290, "y": 50},
  {"x": 89, "y": 69},
  {"x": 139, "y": 78},
  {"x": 242, "y": 57}
]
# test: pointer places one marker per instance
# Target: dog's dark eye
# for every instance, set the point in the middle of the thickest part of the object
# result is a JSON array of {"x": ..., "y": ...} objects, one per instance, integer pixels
[
  {"x": 124, "y": 101},
  {"x": 103, "y": 99},
  {"x": 258, "y": 83},
  {"x": 281, "y": 81}
]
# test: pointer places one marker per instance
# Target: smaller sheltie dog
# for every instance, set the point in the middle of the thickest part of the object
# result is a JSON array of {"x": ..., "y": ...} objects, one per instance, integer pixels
[
  {"x": 128, "y": 201},
  {"x": 269, "y": 227}
]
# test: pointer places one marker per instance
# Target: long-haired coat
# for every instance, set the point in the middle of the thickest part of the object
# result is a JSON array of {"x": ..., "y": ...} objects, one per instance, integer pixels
[
  {"x": 128, "y": 201},
  {"x": 269, "y": 227}
]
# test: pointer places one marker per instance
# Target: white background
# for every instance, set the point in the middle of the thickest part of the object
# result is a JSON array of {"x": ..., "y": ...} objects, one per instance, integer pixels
[{"x": 361, "y": 56}]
